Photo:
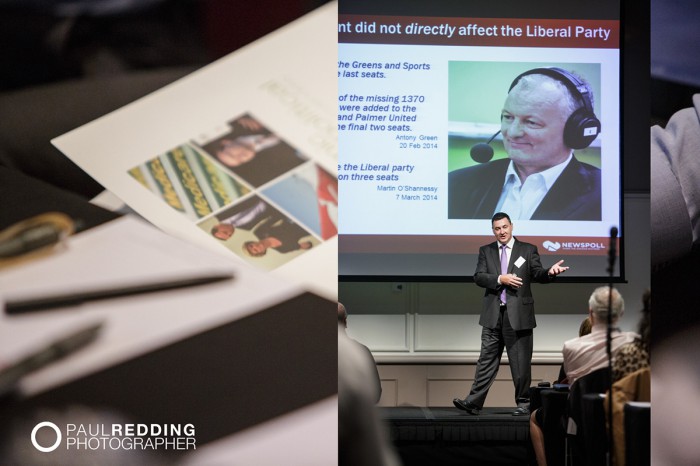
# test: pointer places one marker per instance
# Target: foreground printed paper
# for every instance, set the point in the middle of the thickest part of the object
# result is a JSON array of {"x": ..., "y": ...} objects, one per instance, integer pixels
[
  {"x": 197, "y": 356},
  {"x": 120, "y": 253},
  {"x": 239, "y": 157}
]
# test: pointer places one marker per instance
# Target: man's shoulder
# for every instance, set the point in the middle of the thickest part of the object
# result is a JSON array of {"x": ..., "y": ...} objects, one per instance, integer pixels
[
  {"x": 362, "y": 348},
  {"x": 488, "y": 246},
  {"x": 629, "y": 337},
  {"x": 577, "y": 342},
  {"x": 585, "y": 169},
  {"x": 569, "y": 348},
  {"x": 479, "y": 170},
  {"x": 572, "y": 341},
  {"x": 524, "y": 245}
]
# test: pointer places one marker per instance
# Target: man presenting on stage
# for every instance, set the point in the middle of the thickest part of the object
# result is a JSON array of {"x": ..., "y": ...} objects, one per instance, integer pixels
[{"x": 505, "y": 269}]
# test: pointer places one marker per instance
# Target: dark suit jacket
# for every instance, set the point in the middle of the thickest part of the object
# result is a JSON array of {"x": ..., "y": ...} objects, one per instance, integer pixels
[
  {"x": 519, "y": 303},
  {"x": 474, "y": 192}
]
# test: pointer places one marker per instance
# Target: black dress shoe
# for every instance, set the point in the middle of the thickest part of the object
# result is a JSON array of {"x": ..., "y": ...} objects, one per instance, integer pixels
[
  {"x": 467, "y": 406},
  {"x": 521, "y": 411}
]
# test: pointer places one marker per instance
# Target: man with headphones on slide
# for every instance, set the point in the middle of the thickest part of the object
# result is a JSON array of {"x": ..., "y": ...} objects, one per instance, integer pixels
[{"x": 548, "y": 113}]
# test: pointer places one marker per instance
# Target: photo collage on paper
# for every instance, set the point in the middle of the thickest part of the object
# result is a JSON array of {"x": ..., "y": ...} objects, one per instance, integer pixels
[{"x": 249, "y": 189}]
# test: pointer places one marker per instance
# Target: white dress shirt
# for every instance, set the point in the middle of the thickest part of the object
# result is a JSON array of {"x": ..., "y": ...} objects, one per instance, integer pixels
[{"x": 520, "y": 200}]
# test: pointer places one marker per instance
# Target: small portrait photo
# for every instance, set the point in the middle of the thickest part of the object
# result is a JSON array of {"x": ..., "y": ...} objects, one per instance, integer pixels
[
  {"x": 253, "y": 152},
  {"x": 189, "y": 182},
  {"x": 260, "y": 233},
  {"x": 524, "y": 138},
  {"x": 310, "y": 194}
]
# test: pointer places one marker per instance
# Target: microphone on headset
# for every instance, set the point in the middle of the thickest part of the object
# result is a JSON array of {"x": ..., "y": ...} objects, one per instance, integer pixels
[{"x": 483, "y": 152}]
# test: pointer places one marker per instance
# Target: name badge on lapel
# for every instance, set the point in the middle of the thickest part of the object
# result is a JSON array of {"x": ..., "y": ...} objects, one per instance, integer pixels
[{"x": 519, "y": 262}]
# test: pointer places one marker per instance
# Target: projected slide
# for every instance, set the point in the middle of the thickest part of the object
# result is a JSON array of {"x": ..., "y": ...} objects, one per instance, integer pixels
[{"x": 443, "y": 121}]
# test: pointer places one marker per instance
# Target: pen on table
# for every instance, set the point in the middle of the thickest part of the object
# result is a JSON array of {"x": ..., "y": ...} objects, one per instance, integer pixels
[
  {"x": 52, "y": 352},
  {"x": 43, "y": 303},
  {"x": 34, "y": 236}
]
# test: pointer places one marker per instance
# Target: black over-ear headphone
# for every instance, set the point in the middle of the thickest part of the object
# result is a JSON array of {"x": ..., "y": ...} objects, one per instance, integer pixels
[{"x": 583, "y": 126}]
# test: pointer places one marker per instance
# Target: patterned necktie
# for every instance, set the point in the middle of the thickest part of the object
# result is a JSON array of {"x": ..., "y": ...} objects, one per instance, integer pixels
[{"x": 504, "y": 270}]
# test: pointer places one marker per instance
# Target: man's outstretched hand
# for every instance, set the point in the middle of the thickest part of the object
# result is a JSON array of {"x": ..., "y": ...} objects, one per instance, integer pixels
[{"x": 557, "y": 268}]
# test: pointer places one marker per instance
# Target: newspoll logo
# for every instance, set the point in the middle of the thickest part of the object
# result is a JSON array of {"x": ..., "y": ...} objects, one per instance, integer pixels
[
  {"x": 551, "y": 246},
  {"x": 554, "y": 246},
  {"x": 113, "y": 437}
]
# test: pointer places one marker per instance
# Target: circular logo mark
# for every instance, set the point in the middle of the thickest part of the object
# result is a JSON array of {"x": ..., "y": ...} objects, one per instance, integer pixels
[{"x": 58, "y": 436}]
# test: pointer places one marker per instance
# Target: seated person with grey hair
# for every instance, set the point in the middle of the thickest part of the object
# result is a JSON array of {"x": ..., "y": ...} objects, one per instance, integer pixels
[{"x": 586, "y": 354}]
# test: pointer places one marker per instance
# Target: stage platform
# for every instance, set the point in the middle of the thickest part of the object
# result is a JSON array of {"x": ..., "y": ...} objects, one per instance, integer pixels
[{"x": 448, "y": 436}]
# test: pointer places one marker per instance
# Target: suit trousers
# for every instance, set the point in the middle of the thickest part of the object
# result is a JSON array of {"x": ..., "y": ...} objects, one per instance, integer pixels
[{"x": 518, "y": 346}]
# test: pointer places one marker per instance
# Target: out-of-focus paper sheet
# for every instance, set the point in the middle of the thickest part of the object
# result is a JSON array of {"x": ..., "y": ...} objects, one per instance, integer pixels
[
  {"x": 124, "y": 251},
  {"x": 248, "y": 142}
]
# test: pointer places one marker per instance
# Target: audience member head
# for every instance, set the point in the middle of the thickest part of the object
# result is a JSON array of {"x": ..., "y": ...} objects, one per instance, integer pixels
[
  {"x": 342, "y": 315},
  {"x": 598, "y": 305},
  {"x": 585, "y": 327}
]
